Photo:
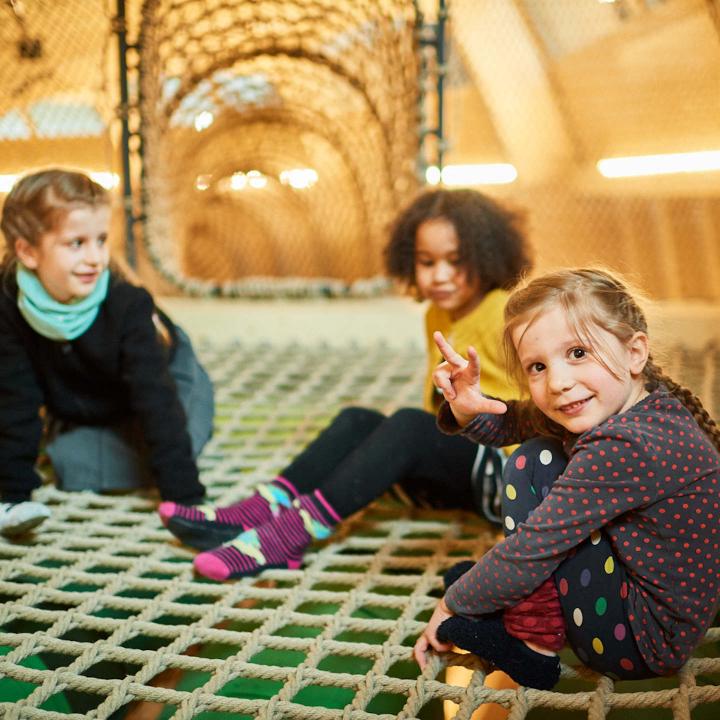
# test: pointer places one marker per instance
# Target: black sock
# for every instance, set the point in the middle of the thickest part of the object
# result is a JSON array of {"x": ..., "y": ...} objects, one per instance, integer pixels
[
  {"x": 456, "y": 571},
  {"x": 487, "y": 638}
]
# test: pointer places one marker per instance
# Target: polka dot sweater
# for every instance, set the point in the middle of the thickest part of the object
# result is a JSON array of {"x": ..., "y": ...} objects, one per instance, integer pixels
[{"x": 650, "y": 478}]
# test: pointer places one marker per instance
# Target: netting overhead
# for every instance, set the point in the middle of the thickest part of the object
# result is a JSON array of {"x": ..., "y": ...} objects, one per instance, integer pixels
[
  {"x": 279, "y": 137},
  {"x": 56, "y": 94}
]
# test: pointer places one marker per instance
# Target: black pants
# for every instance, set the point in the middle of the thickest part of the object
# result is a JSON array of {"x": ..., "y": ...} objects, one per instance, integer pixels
[
  {"x": 363, "y": 453},
  {"x": 591, "y": 582}
]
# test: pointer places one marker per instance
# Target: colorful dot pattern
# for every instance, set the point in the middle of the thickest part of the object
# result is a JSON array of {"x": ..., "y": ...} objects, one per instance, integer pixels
[
  {"x": 588, "y": 596},
  {"x": 643, "y": 488}
]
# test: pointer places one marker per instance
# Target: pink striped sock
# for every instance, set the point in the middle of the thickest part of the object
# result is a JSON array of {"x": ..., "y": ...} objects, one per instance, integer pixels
[
  {"x": 279, "y": 543},
  {"x": 268, "y": 500}
]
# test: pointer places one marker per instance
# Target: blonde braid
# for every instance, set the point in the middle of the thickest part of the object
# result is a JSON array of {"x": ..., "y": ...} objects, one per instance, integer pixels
[
  {"x": 595, "y": 296},
  {"x": 655, "y": 376}
]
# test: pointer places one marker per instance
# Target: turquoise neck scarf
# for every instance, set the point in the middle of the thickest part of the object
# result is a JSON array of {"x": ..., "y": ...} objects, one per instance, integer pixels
[{"x": 53, "y": 319}]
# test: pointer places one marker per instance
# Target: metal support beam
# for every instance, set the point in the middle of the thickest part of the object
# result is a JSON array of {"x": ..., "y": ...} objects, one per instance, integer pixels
[
  {"x": 123, "y": 113},
  {"x": 432, "y": 36}
]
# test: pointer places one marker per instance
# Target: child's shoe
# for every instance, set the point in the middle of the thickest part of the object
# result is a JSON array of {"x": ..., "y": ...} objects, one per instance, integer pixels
[
  {"x": 205, "y": 527},
  {"x": 18, "y": 518},
  {"x": 454, "y": 573},
  {"x": 279, "y": 543},
  {"x": 487, "y": 638}
]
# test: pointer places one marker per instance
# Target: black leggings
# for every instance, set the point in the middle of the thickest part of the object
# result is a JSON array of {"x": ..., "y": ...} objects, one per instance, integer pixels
[
  {"x": 363, "y": 453},
  {"x": 591, "y": 582}
]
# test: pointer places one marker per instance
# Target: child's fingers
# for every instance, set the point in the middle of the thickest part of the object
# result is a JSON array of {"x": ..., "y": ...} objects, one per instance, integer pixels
[
  {"x": 448, "y": 351},
  {"x": 473, "y": 361},
  {"x": 421, "y": 647},
  {"x": 442, "y": 377},
  {"x": 441, "y": 646},
  {"x": 496, "y": 407}
]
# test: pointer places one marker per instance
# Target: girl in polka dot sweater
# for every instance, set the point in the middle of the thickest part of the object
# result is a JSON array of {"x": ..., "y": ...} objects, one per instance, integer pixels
[{"x": 611, "y": 503}]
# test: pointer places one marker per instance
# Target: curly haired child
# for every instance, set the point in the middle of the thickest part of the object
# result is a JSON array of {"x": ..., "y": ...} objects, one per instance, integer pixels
[{"x": 461, "y": 251}]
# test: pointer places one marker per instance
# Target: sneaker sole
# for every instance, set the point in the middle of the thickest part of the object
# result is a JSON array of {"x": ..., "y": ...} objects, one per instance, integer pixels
[
  {"x": 202, "y": 536},
  {"x": 23, "y": 527}
]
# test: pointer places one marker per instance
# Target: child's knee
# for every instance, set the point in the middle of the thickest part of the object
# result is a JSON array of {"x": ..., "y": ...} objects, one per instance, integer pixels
[
  {"x": 411, "y": 422},
  {"x": 529, "y": 474},
  {"x": 358, "y": 419},
  {"x": 539, "y": 456},
  {"x": 97, "y": 459}
]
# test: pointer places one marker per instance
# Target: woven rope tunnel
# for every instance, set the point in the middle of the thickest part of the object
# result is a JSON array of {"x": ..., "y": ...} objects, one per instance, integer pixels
[
  {"x": 104, "y": 585},
  {"x": 327, "y": 100},
  {"x": 279, "y": 137}
]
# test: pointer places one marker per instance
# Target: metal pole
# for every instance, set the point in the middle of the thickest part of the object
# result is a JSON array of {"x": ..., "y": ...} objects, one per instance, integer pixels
[
  {"x": 441, "y": 70},
  {"x": 120, "y": 28},
  {"x": 432, "y": 35}
]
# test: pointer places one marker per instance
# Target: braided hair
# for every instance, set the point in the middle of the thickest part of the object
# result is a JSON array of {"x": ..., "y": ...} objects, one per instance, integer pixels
[{"x": 593, "y": 297}]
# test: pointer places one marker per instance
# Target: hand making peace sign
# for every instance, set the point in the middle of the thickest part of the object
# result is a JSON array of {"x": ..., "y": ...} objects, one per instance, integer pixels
[{"x": 459, "y": 381}]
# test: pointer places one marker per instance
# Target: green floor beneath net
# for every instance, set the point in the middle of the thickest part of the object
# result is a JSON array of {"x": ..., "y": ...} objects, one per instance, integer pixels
[{"x": 329, "y": 697}]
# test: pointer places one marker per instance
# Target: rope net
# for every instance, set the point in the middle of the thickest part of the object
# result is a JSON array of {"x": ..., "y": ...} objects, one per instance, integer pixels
[
  {"x": 279, "y": 137},
  {"x": 57, "y": 87},
  {"x": 101, "y": 613}
]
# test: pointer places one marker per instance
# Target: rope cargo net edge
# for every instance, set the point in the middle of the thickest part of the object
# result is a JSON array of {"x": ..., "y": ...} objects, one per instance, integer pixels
[{"x": 103, "y": 582}]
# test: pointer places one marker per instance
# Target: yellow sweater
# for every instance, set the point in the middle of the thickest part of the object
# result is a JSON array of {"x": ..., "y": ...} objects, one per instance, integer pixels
[{"x": 482, "y": 328}]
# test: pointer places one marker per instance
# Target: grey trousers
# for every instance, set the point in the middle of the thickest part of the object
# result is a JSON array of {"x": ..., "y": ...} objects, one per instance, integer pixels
[{"x": 114, "y": 458}]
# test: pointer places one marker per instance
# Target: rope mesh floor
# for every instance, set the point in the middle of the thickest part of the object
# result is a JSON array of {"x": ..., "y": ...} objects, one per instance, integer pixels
[{"x": 104, "y": 584}]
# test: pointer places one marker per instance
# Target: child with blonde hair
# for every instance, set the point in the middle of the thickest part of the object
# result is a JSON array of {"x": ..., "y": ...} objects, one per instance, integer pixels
[
  {"x": 126, "y": 402},
  {"x": 610, "y": 505}
]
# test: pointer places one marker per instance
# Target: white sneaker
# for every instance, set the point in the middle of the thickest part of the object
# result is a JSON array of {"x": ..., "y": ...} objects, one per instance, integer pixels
[{"x": 17, "y": 518}]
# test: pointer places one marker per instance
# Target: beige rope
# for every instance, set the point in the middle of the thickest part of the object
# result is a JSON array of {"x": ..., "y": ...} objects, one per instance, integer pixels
[{"x": 102, "y": 573}]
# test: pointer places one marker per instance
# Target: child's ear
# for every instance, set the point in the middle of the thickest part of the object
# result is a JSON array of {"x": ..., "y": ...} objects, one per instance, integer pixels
[
  {"x": 639, "y": 349},
  {"x": 26, "y": 253}
]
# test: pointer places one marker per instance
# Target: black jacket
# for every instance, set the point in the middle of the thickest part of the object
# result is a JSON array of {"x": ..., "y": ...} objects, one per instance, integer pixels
[{"x": 116, "y": 369}]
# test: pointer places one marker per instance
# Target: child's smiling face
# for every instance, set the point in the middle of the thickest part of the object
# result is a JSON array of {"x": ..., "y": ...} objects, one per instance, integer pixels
[
  {"x": 70, "y": 258},
  {"x": 440, "y": 275},
  {"x": 566, "y": 380}
]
